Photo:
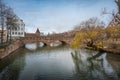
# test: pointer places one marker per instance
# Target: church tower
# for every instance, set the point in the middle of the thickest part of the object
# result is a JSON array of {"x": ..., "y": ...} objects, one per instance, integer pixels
[{"x": 37, "y": 32}]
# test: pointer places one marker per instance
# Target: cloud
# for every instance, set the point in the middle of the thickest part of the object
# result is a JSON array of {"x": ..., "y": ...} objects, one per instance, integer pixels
[{"x": 57, "y": 15}]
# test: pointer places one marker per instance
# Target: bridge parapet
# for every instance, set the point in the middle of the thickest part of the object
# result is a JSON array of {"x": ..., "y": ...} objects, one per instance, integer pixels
[
  {"x": 47, "y": 39},
  {"x": 65, "y": 37}
]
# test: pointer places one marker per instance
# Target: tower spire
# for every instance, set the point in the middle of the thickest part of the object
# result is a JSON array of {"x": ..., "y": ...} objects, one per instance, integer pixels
[{"x": 37, "y": 32}]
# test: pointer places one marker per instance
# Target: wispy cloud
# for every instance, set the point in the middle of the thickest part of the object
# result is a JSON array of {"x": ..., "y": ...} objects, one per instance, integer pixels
[{"x": 57, "y": 15}]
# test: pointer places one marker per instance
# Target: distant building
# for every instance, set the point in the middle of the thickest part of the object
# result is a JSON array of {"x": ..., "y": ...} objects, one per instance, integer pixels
[
  {"x": 42, "y": 34},
  {"x": 4, "y": 35},
  {"x": 36, "y": 34},
  {"x": 115, "y": 21},
  {"x": 18, "y": 31}
]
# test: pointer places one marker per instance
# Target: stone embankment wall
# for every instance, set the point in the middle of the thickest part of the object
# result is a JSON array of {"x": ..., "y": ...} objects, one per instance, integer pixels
[
  {"x": 10, "y": 48},
  {"x": 112, "y": 46}
]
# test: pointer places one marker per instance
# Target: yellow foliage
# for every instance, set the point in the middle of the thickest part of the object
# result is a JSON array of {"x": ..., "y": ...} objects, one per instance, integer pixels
[
  {"x": 77, "y": 40},
  {"x": 93, "y": 34},
  {"x": 113, "y": 31},
  {"x": 86, "y": 36},
  {"x": 99, "y": 44}
]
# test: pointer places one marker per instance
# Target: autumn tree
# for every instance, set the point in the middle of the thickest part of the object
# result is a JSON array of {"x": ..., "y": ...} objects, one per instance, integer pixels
[
  {"x": 78, "y": 39},
  {"x": 2, "y": 18},
  {"x": 11, "y": 22},
  {"x": 91, "y": 32},
  {"x": 113, "y": 32}
]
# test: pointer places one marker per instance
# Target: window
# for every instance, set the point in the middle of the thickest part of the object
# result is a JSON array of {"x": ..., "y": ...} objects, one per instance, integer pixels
[
  {"x": 16, "y": 33},
  {"x": 21, "y": 33},
  {"x": 15, "y": 29},
  {"x": 18, "y": 28},
  {"x": 3, "y": 34},
  {"x": 12, "y": 33},
  {"x": 21, "y": 28}
]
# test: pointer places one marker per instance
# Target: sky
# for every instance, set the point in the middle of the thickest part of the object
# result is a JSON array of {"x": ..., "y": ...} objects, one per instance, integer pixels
[{"x": 59, "y": 15}]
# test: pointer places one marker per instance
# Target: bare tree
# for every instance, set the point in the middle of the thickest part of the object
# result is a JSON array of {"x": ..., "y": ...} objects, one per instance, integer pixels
[
  {"x": 112, "y": 13},
  {"x": 90, "y": 24},
  {"x": 2, "y": 18},
  {"x": 8, "y": 19},
  {"x": 118, "y": 4},
  {"x": 11, "y": 22}
]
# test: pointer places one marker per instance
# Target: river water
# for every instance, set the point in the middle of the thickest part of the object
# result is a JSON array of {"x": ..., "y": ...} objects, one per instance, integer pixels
[{"x": 59, "y": 63}]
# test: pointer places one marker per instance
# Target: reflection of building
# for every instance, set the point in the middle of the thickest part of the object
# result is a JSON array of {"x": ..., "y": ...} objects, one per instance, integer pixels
[
  {"x": 19, "y": 30},
  {"x": 4, "y": 35}
]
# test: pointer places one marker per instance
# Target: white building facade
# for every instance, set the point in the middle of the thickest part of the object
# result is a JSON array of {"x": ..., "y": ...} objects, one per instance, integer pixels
[{"x": 19, "y": 30}]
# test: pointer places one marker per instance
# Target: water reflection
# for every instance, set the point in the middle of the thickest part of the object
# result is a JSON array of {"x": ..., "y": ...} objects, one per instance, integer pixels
[
  {"x": 114, "y": 60},
  {"x": 93, "y": 66},
  {"x": 31, "y": 46},
  {"x": 34, "y": 46},
  {"x": 56, "y": 43},
  {"x": 41, "y": 44},
  {"x": 60, "y": 63},
  {"x": 11, "y": 67}
]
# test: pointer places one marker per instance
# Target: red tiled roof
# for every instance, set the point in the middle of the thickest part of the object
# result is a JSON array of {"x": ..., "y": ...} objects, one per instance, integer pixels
[
  {"x": 33, "y": 34},
  {"x": 3, "y": 31},
  {"x": 30, "y": 35}
]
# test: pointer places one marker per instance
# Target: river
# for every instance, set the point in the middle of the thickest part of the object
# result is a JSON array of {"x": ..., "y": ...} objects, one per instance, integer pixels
[{"x": 59, "y": 63}]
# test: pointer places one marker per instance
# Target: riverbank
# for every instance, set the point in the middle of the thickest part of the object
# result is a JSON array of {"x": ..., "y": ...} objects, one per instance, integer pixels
[
  {"x": 108, "y": 50},
  {"x": 17, "y": 44},
  {"x": 10, "y": 48}
]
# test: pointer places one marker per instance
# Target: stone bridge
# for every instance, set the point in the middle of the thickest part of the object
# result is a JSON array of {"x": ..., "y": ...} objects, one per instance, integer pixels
[{"x": 47, "y": 40}]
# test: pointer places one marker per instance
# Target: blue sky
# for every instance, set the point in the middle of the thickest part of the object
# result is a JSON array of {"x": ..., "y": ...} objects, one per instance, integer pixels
[{"x": 58, "y": 15}]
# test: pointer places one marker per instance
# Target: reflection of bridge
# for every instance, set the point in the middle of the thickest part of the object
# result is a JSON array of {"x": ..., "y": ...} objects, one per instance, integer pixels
[{"x": 66, "y": 37}]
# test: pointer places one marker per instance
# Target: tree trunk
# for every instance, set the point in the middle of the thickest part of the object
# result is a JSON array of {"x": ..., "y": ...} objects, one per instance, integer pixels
[
  {"x": 10, "y": 35},
  {"x": 90, "y": 44},
  {"x": 7, "y": 35},
  {"x": 2, "y": 25},
  {"x": 118, "y": 5}
]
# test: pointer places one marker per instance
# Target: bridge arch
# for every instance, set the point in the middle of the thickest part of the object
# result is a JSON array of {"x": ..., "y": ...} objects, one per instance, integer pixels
[
  {"x": 63, "y": 42},
  {"x": 47, "y": 40},
  {"x": 42, "y": 43}
]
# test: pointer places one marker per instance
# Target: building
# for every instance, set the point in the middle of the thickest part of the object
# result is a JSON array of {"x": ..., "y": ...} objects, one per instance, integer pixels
[
  {"x": 115, "y": 21},
  {"x": 4, "y": 35},
  {"x": 36, "y": 34},
  {"x": 18, "y": 31}
]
